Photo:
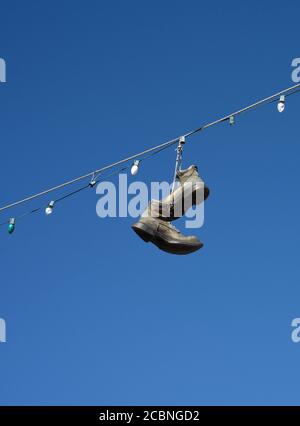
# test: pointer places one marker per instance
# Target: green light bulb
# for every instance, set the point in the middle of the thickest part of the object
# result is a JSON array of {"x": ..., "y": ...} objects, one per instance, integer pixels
[{"x": 11, "y": 226}]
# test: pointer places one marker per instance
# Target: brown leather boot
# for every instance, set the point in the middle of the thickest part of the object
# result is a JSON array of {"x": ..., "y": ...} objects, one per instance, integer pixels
[
  {"x": 165, "y": 236},
  {"x": 190, "y": 192}
]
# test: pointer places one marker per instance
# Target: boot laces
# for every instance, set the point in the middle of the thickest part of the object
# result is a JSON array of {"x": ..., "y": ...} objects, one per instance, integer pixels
[{"x": 173, "y": 227}]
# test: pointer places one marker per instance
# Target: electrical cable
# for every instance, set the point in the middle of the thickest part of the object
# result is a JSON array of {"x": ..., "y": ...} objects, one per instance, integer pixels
[
  {"x": 156, "y": 149},
  {"x": 69, "y": 194}
]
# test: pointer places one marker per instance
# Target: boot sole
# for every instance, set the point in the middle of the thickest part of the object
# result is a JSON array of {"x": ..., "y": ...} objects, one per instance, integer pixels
[
  {"x": 169, "y": 246},
  {"x": 174, "y": 247},
  {"x": 143, "y": 231}
]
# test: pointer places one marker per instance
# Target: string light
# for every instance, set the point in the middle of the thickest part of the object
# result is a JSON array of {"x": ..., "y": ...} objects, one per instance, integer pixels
[
  {"x": 144, "y": 155},
  {"x": 281, "y": 104},
  {"x": 11, "y": 225},
  {"x": 286, "y": 92},
  {"x": 49, "y": 208},
  {"x": 135, "y": 167},
  {"x": 93, "y": 181}
]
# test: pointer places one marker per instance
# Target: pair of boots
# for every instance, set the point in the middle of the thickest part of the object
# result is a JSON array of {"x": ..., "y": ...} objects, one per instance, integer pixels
[{"x": 155, "y": 223}]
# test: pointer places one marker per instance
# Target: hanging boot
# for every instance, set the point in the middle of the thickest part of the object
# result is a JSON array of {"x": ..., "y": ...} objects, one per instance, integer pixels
[
  {"x": 165, "y": 236},
  {"x": 190, "y": 192}
]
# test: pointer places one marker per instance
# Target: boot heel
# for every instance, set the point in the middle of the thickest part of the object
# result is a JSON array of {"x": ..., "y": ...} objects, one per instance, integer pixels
[{"x": 143, "y": 231}]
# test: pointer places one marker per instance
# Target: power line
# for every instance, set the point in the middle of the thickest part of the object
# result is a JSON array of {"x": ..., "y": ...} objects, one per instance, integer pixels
[
  {"x": 76, "y": 191},
  {"x": 154, "y": 150},
  {"x": 67, "y": 195}
]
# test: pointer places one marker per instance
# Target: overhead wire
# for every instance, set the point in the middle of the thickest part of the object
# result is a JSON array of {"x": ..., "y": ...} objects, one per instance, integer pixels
[
  {"x": 96, "y": 180},
  {"x": 146, "y": 153},
  {"x": 67, "y": 195}
]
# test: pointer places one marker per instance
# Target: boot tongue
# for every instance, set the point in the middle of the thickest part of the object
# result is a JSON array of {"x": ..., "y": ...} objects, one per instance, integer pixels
[{"x": 188, "y": 175}]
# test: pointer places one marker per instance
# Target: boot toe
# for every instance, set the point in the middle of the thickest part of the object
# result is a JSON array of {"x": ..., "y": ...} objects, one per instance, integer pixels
[{"x": 206, "y": 192}]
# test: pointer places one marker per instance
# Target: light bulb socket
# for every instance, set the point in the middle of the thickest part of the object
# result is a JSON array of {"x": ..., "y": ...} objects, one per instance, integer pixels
[{"x": 282, "y": 99}]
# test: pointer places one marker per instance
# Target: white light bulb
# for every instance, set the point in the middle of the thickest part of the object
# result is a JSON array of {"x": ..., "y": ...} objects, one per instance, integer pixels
[
  {"x": 281, "y": 104},
  {"x": 135, "y": 168},
  {"x": 49, "y": 208}
]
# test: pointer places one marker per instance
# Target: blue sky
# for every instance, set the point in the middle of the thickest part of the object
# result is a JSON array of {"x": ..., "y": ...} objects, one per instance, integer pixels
[{"x": 93, "y": 314}]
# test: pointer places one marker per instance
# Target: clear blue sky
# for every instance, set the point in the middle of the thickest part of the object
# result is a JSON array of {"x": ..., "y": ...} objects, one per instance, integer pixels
[{"x": 94, "y": 315}]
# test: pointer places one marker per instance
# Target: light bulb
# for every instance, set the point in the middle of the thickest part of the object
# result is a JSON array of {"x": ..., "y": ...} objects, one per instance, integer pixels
[
  {"x": 49, "y": 208},
  {"x": 281, "y": 104},
  {"x": 135, "y": 167},
  {"x": 11, "y": 225}
]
